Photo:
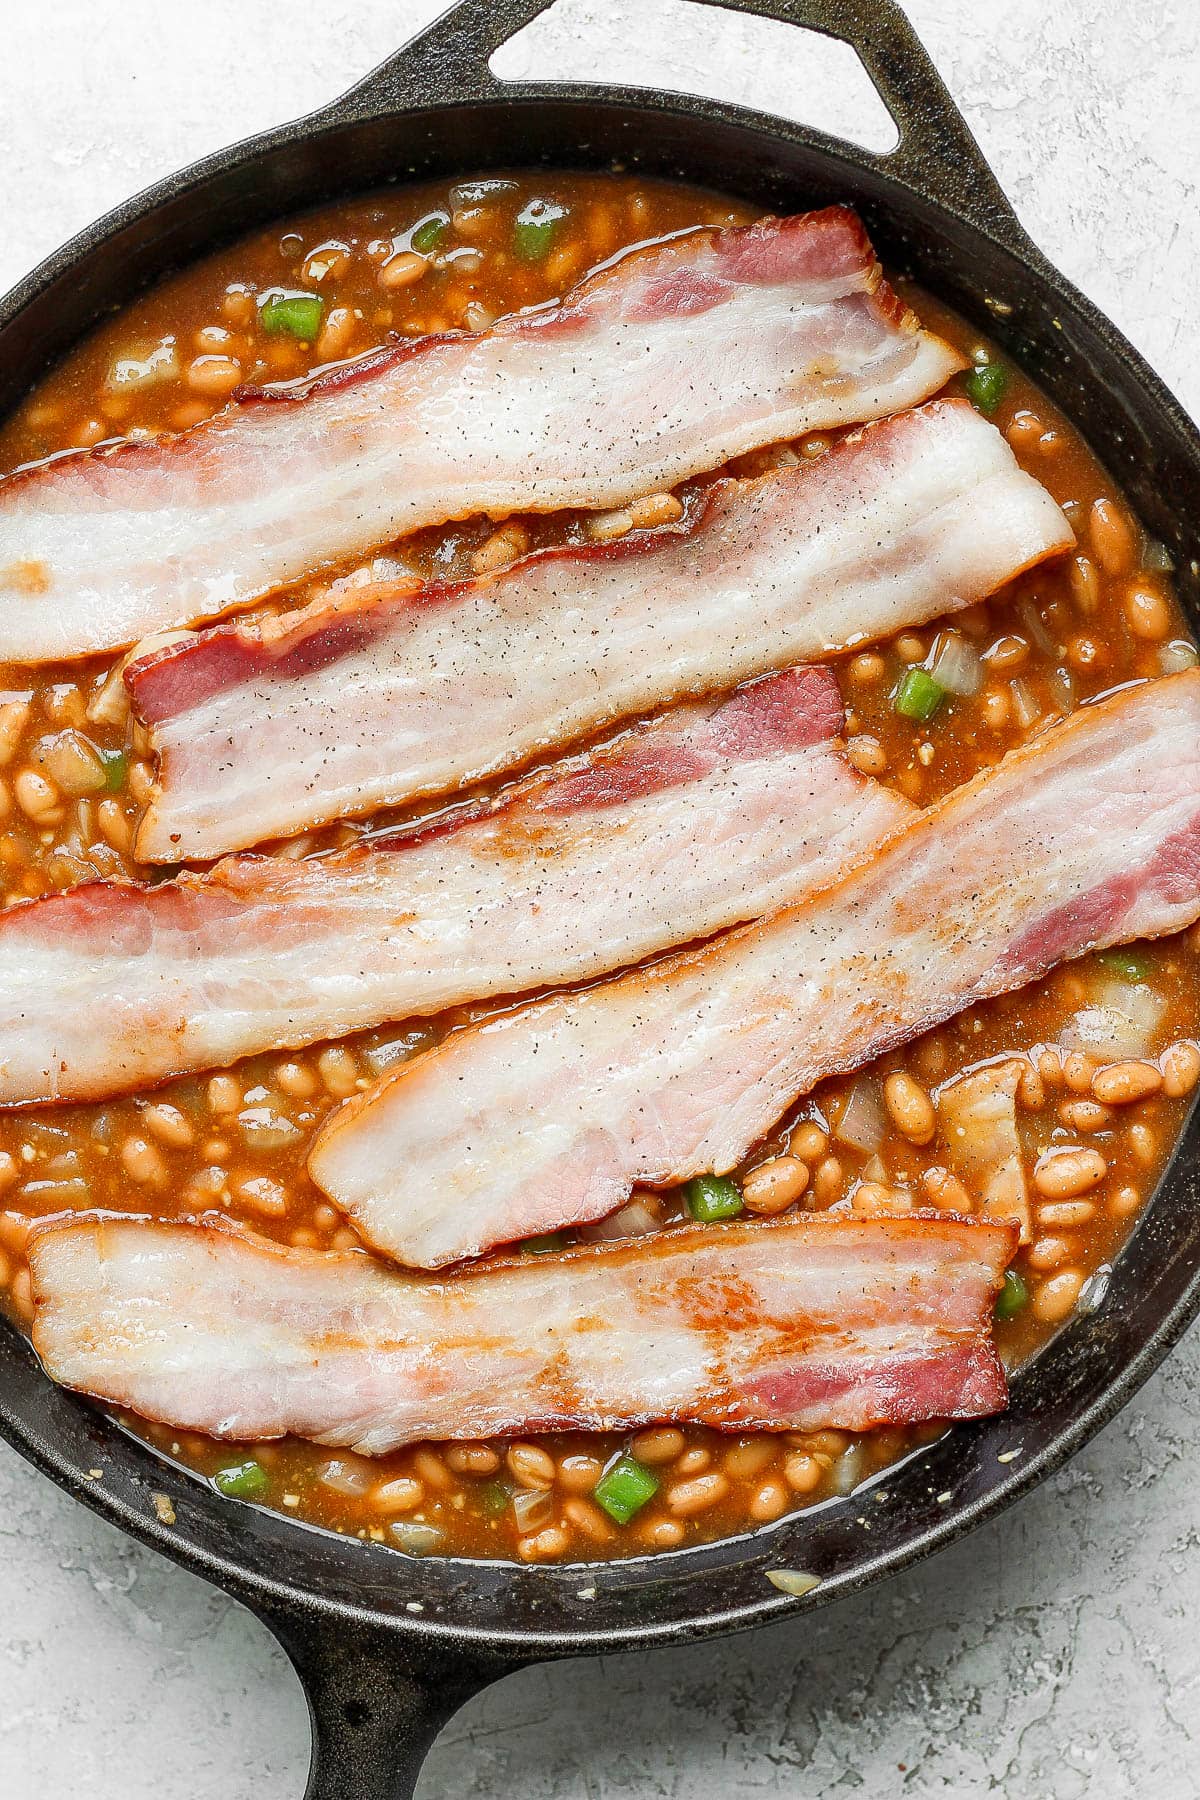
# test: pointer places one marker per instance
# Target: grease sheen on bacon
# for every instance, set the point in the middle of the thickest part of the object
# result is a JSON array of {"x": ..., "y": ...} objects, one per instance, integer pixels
[
  {"x": 383, "y": 695},
  {"x": 802, "y": 1324},
  {"x": 708, "y": 816},
  {"x": 666, "y": 363},
  {"x": 1088, "y": 835}
]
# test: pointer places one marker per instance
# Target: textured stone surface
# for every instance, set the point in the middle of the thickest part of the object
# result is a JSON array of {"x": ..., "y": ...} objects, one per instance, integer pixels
[{"x": 1054, "y": 1654}]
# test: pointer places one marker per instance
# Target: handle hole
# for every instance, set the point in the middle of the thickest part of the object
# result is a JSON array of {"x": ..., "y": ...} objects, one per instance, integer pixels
[{"x": 705, "y": 50}]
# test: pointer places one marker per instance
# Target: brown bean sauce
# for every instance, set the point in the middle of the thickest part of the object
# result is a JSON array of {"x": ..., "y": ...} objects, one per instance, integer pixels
[{"x": 74, "y": 773}]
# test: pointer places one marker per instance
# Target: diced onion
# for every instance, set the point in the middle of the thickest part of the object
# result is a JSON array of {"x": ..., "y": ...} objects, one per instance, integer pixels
[
  {"x": 1062, "y": 686},
  {"x": 159, "y": 363},
  {"x": 1025, "y": 702},
  {"x": 531, "y": 1508},
  {"x": 635, "y": 1219},
  {"x": 1121, "y": 1023},
  {"x": 345, "y": 1477},
  {"x": 793, "y": 1581},
  {"x": 862, "y": 1123},
  {"x": 1035, "y": 625},
  {"x": 1173, "y": 658},
  {"x": 1157, "y": 556},
  {"x": 417, "y": 1540},
  {"x": 848, "y": 1470},
  {"x": 393, "y": 1051},
  {"x": 956, "y": 665}
]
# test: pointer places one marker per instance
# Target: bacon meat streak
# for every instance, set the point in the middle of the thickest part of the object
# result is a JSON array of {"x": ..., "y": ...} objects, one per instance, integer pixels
[
  {"x": 797, "y": 1325},
  {"x": 1087, "y": 836},
  {"x": 706, "y": 817},
  {"x": 661, "y": 365},
  {"x": 383, "y": 695}
]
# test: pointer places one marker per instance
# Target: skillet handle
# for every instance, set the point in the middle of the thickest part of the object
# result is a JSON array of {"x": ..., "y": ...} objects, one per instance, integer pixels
[
  {"x": 447, "y": 64},
  {"x": 376, "y": 1702}
]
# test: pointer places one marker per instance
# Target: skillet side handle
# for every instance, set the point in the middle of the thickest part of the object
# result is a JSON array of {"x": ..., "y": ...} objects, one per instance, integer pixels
[
  {"x": 376, "y": 1703},
  {"x": 937, "y": 154}
]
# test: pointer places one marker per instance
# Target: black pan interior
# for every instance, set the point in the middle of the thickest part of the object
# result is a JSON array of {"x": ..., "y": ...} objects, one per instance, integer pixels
[{"x": 1097, "y": 1360}]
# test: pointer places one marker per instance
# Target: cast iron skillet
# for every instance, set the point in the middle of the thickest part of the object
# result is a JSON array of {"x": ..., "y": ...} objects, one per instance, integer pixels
[{"x": 388, "y": 1647}]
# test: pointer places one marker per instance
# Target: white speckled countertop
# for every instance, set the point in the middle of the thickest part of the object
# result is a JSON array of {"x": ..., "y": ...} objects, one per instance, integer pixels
[{"x": 1055, "y": 1653}]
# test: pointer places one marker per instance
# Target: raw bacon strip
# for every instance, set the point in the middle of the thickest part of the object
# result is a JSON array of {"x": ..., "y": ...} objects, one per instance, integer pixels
[
  {"x": 663, "y": 364},
  {"x": 709, "y": 816},
  {"x": 385, "y": 696},
  {"x": 813, "y": 1323},
  {"x": 1088, "y": 835}
]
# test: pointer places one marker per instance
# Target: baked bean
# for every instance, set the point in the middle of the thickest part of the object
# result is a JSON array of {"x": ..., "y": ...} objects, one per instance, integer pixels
[
  {"x": 504, "y": 546},
  {"x": 471, "y": 1459},
  {"x": 338, "y": 1071},
  {"x": 214, "y": 376},
  {"x": 1031, "y": 1089},
  {"x": 867, "y": 669},
  {"x": 1112, "y": 537},
  {"x": 169, "y": 1125},
  {"x": 14, "y": 716},
  {"x": 261, "y": 1193},
  {"x": 603, "y": 527},
  {"x": 295, "y": 1080},
  {"x": 530, "y": 1465},
  {"x": 142, "y": 1163},
  {"x": 910, "y": 648},
  {"x": 1056, "y": 1297},
  {"x": 748, "y": 1457},
  {"x": 1049, "y": 1067},
  {"x": 808, "y": 1142},
  {"x": 1147, "y": 611},
  {"x": 929, "y": 1055},
  {"x": 1059, "y": 1215},
  {"x": 36, "y": 795},
  {"x": 768, "y": 1501},
  {"x": 947, "y": 1191},
  {"x": 661, "y": 1534},
  {"x": 544, "y": 1546},
  {"x": 1181, "y": 1069},
  {"x": 1007, "y": 654},
  {"x": 827, "y": 1181},
  {"x": 430, "y": 1469},
  {"x": 336, "y": 334},
  {"x": 1078, "y": 1070},
  {"x": 1125, "y": 1201},
  {"x": 1024, "y": 429},
  {"x": 115, "y": 828},
  {"x": 1084, "y": 1115},
  {"x": 1120, "y": 1084},
  {"x": 693, "y": 1461},
  {"x": 402, "y": 269},
  {"x": 655, "y": 509},
  {"x": 1085, "y": 583},
  {"x": 802, "y": 1472},
  {"x": 579, "y": 1474},
  {"x": 774, "y": 1185},
  {"x": 866, "y": 754},
  {"x": 401, "y": 1495},
  {"x": 996, "y": 707},
  {"x": 1062, "y": 1174},
  {"x": 224, "y": 1094},
  {"x": 661, "y": 1444},
  {"x": 586, "y": 1517},
  {"x": 1047, "y": 1253},
  {"x": 688, "y": 1497},
  {"x": 1143, "y": 1144},
  {"x": 909, "y": 1107}
]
